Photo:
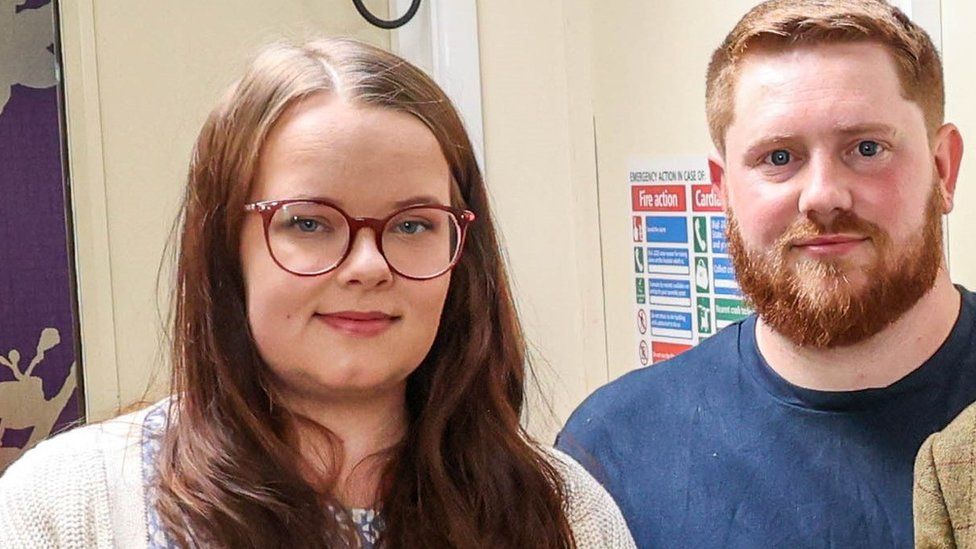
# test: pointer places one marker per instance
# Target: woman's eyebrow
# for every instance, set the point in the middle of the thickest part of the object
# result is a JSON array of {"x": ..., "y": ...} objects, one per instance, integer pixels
[{"x": 417, "y": 201}]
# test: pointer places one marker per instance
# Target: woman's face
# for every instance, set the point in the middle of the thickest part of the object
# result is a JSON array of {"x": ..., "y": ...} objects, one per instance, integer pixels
[{"x": 359, "y": 330}]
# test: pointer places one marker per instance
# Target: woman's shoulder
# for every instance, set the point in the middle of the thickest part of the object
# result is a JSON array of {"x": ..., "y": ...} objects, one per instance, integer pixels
[
  {"x": 63, "y": 458},
  {"x": 593, "y": 515},
  {"x": 62, "y": 491},
  {"x": 84, "y": 446}
]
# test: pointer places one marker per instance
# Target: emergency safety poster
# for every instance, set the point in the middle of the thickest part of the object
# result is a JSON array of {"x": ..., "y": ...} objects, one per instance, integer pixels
[{"x": 684, "y": 283}]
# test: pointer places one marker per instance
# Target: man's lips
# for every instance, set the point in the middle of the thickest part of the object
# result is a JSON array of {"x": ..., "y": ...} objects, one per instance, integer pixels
[
  {"x": 828, "y": 245},
  {"x": 358, "y": 323}
]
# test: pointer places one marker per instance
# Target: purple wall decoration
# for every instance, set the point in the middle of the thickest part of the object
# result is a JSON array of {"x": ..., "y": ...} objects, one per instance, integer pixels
[{"x": 38, "y": 363}]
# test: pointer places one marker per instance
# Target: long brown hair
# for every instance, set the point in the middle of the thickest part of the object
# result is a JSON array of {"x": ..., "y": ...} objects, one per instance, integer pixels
[{"x": 466, "y": 474}]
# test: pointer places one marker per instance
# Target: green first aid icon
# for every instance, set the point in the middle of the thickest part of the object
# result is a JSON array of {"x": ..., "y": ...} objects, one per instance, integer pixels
[
  {"x": 701, "y": 275},
  {"x": 704, "y": 316},
  {"x": 700, "y": 225},
  {"x": 641, "y": 292}
]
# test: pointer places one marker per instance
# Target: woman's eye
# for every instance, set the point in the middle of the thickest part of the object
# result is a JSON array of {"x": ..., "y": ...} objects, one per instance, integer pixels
[
  {"x": 779, "y": 157},
  {"x": 411, "y": 227},
  {"x": 306, "y": 225},
  {"x": 868, "y": 148}
]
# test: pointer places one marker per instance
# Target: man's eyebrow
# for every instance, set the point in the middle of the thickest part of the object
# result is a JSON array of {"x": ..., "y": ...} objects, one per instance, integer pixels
[
  {"x": 884, "y": 130},
  {"x": 764, "y": 144}
]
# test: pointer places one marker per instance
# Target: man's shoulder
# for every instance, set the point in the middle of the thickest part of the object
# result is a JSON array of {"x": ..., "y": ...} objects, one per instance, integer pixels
[
  {"x": 666, "y": 389},
  {"x": 967, "y": 312},
  {"x": 672, "y": 379}
]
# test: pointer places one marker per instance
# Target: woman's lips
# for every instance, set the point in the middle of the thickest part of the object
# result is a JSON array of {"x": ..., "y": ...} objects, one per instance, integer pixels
[{"x": 358, "y": 324}]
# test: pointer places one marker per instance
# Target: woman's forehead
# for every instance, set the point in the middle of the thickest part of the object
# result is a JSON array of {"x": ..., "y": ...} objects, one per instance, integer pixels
[{"x": 359, "y": 155}]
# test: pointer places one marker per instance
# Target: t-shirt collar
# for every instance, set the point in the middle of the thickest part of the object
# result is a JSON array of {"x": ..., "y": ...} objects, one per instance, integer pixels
[{"x": 926, "y": 375}]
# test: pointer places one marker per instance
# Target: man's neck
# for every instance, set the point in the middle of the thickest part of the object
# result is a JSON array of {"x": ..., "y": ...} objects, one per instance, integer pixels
[{"x": 876, "y": 362}]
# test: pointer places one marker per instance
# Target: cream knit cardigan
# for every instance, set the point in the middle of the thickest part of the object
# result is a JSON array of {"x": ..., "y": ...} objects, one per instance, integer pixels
[{"x": 84, "y": 489}]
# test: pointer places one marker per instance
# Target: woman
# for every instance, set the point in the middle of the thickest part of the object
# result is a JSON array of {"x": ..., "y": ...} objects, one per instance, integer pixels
[{"x": 348, "y": 369}]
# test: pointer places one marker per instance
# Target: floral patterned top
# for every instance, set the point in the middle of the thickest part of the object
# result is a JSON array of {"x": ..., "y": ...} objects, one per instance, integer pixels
[{"x": 368, "y": 523}]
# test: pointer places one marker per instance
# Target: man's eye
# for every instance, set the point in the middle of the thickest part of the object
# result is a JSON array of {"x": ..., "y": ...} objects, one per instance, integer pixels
[
  {"x": 779, "y": 157},
  {"x": 868, "y": 148}
]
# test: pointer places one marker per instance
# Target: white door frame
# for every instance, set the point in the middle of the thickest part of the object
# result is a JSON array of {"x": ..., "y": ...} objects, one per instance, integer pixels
[
  {"x": 927, "y": 13},
  {"x": 443, "y": 40}
]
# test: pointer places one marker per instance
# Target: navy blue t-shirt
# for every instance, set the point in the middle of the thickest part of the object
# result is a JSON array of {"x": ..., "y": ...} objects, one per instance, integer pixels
[{"x": 714, "y": 449}]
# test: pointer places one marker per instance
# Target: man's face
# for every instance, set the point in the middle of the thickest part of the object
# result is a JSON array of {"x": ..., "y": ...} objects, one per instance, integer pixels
[{"x": 832, "y": 192}]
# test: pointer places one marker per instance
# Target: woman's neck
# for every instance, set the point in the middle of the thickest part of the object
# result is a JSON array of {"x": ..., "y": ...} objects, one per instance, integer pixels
[{"x": 363, "y": 427}]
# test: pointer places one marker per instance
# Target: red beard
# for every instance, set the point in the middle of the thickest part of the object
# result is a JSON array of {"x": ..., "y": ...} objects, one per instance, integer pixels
[{"x": 813, "y": 303}]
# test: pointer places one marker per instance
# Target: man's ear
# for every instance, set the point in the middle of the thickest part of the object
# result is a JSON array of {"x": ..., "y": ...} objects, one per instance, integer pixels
[
  {"x": 947, "y": 148},
  {"x": 716, "y": 165}
]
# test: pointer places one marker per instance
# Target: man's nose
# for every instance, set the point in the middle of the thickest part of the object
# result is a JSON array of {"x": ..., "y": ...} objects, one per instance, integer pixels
[{"x": 826, "y": 189}]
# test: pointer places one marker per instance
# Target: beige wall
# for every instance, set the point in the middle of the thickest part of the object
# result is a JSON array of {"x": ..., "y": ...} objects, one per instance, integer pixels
[
  {"x": 649, "y": 101},
  {"x": 630, "y": 72},
  {"x": 650, "y": 61},
  {"x": 571, "y": 90},
  {"x": 958, "y": 44},
  {"x": 140, "y": 78},
  {"x": 536, "y": 70}
]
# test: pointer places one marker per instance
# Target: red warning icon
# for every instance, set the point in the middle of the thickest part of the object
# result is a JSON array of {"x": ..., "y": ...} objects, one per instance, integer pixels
[
  {"x": 642, "y": 321},
  {"x": 643, "y": 352}
]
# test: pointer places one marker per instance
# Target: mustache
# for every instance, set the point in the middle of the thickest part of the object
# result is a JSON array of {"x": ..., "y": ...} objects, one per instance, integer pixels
[{"x": 844, "y": 222}]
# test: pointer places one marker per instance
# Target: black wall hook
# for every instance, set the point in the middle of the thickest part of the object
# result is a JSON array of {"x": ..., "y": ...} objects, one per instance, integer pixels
[{"x": 383, "y": 24}]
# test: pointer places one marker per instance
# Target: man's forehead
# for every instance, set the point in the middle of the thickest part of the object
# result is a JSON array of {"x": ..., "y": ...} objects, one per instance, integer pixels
[
  {"x": 768, "y": 60},
  {"x": 841, "y": 88}
]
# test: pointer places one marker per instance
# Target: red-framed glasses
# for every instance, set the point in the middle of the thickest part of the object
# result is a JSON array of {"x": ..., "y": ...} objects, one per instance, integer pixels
[{"x": 309, "y": 237}]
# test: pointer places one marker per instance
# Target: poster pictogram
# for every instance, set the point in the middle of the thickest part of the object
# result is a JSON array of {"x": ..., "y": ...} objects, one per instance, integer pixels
[{"x": 684, "y": 279}]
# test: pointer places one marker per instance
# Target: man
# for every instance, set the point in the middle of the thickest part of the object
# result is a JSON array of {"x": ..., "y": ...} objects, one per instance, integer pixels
[{"x": 798, "y": 427}]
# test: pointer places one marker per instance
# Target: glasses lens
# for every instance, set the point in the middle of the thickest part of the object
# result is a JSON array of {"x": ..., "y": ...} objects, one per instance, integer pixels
[
  {"x": 421, "y": 242},
  {"x": 308, "y": 238}
]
